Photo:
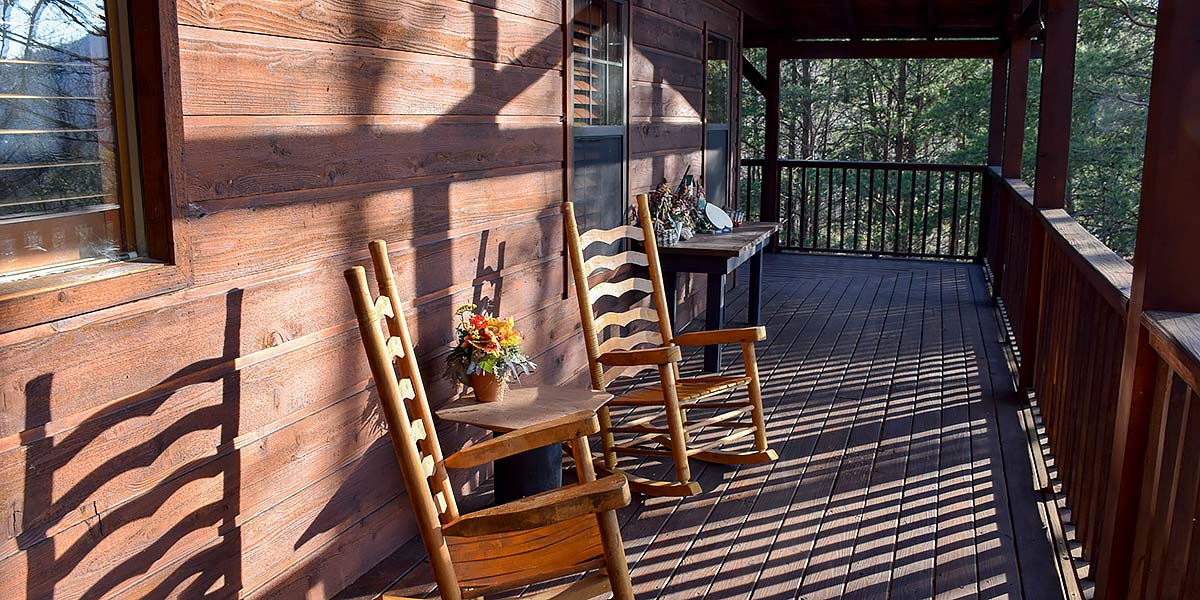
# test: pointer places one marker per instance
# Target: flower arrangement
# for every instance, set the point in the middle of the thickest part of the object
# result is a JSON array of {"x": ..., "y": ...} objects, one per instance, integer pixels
[
  {"x": 679, "y": 214},
  {"x": 487, "y": 353}
]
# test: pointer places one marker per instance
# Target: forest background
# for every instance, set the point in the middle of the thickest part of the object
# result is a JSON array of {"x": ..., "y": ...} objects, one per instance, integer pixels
[{"x": 921, "y": 110}]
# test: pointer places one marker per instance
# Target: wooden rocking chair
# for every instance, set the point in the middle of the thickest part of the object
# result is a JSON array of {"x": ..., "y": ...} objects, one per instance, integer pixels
[
  {"x": 618, "y": 355},
  {"x": 567, "y": 531}
]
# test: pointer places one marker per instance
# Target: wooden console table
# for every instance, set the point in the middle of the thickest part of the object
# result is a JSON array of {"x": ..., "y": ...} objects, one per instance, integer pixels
[
  {"x": 537, "y": 470},
  {"x": 718, "y": 255}
]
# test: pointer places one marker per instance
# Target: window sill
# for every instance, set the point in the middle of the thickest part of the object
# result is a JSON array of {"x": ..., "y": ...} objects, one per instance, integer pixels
[{"x": 59, "y": 296}]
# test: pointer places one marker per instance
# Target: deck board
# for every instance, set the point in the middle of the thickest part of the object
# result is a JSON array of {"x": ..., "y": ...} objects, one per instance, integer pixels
[{"x": 903, "y": 472}]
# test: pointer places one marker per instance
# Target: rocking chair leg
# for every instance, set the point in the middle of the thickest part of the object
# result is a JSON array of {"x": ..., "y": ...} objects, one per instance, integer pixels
[
  {"x": 683, "y": 472},
  {"x": 755, "y": 390},
  {"x": 610, "y": 530},
  {"x": 606, "y": 439}
]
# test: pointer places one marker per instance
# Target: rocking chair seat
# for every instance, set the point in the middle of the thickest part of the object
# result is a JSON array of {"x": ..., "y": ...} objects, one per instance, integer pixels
[
  {"x": 493, "y": 563},
  {"x": 689, "y": 390}
]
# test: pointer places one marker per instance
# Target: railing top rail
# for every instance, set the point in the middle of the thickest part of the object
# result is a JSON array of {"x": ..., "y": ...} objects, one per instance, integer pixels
[
  {"x": 863, "y": 164},
  {"x": 1110, "y": 274},
  {"x": 1176, "y": 338}
]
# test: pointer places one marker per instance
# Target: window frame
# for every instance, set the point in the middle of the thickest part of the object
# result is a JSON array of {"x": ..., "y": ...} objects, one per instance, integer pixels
[
  {"x": 151, "y": 29},
  {"x": 727, "y": 126},
  {"x": 574, "y": 131}
]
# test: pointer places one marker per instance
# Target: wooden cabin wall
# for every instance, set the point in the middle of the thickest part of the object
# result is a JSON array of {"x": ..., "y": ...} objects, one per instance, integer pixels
[
  {"x": 666, "y": 100},
  {"x": 223, "y": 438}
]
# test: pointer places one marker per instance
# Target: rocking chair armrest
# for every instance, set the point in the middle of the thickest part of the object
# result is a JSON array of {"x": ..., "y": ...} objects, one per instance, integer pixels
[
  {"x": 546, "y": 508},
  {"x": 661, "y": 355},
  {"x": 741, "y": 335},
  {"x": 575, "y": 425}
]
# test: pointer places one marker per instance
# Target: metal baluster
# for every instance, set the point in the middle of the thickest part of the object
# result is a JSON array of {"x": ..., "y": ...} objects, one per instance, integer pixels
[
  {"x": 829, "y": 214},
  {"x": 857, "y": 203},
  {"x": 941, "y": 210},
  {"x": 970, "y": 205},
  {"x": 899, "y": 208},
  {"x": 871, "y": 209},
  {"x": 925, "y": 215},
  {"x": 803, "y": 206},
  {"x": 954, "y": 215}
]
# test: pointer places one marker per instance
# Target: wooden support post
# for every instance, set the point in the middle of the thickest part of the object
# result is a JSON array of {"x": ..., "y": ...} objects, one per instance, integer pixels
[
  {"x": 989, "y": 232},
  {"x": 1164, "y": 274},
  {"x": 1015, "y": 101},
  {"x": 1054, "y": 116},
  {"x": 770, "y": 197},
  {"x": 1053, "y": 148},
  {"x": 996, "y": 109}
]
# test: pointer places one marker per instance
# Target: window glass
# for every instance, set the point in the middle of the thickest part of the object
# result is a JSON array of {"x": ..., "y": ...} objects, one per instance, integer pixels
[
  {"x": 716, "y": 71},
  {"x": 62, "y": 158},
  {"x": 599, "y": 62}
]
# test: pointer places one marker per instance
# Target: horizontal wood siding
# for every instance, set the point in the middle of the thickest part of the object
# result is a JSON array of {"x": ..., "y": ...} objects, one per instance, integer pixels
[{"x": 224, "y": 438}]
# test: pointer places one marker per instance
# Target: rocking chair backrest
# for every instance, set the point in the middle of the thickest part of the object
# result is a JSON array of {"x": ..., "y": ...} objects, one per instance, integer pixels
[
  {"x": 405, "y": 407},
  {"x": 593, "y": 325}
]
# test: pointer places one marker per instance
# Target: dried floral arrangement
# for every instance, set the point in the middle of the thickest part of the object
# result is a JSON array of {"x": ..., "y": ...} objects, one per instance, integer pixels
[
  {"x": 486, "y": 345},
  {"x": 678, "y": 214}
]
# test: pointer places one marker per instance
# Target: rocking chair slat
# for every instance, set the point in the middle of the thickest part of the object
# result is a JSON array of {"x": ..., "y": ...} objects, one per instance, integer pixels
[
  {"x": 609, "y": 236},
  {"x": 630, "y": 342},
  {"x": 612, "y": 262},
  {"x": 620, "y": 288},
  {"x": 622, "y": 319}
]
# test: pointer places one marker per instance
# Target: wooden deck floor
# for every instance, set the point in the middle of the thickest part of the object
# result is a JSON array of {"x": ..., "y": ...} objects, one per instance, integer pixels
[{"x": 903, "y": 470}]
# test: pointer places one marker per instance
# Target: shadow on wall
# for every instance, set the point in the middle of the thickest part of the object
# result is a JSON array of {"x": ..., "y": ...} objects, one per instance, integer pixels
[
  {"x": 50, "y": 561},
  {"x": 182, "y": 533}
]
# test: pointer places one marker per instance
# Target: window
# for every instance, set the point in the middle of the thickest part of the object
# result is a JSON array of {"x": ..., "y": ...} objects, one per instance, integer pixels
[
  {"x": 599, "y": 185},
  {"x": 716, "y": 130},
  {"x": 69, "y": 181}
]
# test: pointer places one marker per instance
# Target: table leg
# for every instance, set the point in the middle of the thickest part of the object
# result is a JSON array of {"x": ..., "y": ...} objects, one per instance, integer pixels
[
  {"x": 671, "y": 286},
  {"x": 527, "y": 473},
  {"x": 756, "y": 265},
  {"x": 714, "y": 318}
]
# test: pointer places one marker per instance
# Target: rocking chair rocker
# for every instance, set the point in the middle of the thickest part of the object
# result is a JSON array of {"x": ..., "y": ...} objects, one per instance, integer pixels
[
  {"x": 619, "y": 355},
  {"x": 566, "y": 531}
]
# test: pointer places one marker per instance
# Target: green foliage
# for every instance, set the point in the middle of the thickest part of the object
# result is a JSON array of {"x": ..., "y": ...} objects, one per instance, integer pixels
[{"x": 916, "y": 110}]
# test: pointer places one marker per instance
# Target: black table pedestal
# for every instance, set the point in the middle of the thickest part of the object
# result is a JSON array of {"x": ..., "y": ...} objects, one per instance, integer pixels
[{"x": 528, "y": 473}]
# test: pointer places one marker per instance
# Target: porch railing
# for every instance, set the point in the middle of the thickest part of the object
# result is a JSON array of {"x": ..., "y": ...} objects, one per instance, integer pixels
[
  {"x": 1066, "y": 298},
  {"x": 878, "y": 208}
]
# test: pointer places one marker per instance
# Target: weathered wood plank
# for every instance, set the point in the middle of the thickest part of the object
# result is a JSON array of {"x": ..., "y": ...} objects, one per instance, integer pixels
[
  {"x": 229, "y": 73},
  {"x": 662, "y": 100},
  {"x": 245, "y": 157},
  {"x": 655, "y": 30},
  {"x": 438, "y": 27},
  {"x": 659, "y": 135},
  {"x": 227, "y": 245},
  {"x": 648, "y": 65}
]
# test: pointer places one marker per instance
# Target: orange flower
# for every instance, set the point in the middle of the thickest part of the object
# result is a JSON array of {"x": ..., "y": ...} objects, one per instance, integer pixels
[{"x": 478, "y": 321}]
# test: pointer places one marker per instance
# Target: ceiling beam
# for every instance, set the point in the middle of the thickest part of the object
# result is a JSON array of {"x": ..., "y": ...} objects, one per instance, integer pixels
[
  {"x": 888, "y": 49},
  {"x": 752, "y": 75}
]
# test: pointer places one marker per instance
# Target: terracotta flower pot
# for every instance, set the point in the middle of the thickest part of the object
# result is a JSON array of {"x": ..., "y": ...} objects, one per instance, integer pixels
[{"x": 487, "y": 387}]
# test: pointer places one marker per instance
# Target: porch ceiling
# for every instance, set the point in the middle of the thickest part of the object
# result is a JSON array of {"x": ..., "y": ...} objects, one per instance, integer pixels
[{"x": 768, "y": 20}]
